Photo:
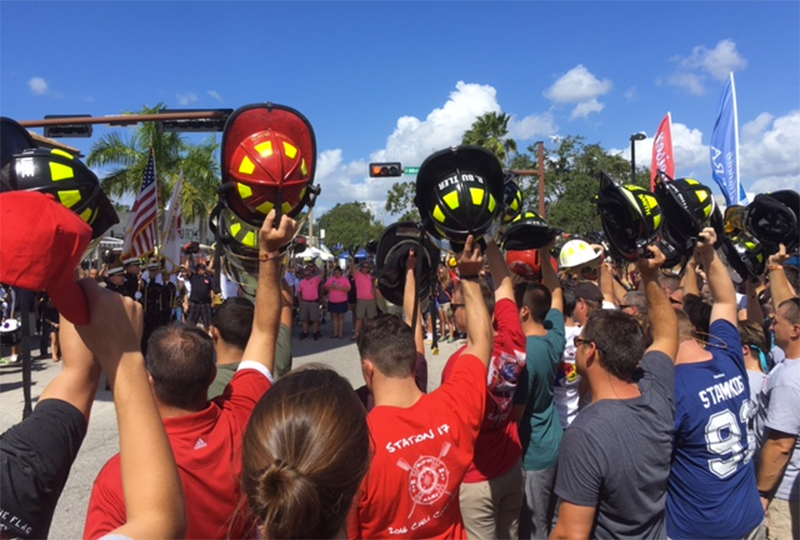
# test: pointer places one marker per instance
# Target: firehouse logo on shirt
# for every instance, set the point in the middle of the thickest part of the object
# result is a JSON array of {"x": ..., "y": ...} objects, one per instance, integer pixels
[{"x": 427, "y": 478}]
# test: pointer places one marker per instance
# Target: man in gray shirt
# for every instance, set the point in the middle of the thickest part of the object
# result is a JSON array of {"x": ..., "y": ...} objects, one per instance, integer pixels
[{"x": 613, "y": 466}]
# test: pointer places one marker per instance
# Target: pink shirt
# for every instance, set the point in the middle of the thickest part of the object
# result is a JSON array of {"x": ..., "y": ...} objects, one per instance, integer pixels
[
  {"x": 336, "y": 296},
  {"x": 308, "y": 289},
  {"x": 365, "y": 286}
]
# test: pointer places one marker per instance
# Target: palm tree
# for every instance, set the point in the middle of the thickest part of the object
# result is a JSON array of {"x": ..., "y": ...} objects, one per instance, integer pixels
[
  {"x": 489, "y": 130},
  {"x": 128, "y": 157}
]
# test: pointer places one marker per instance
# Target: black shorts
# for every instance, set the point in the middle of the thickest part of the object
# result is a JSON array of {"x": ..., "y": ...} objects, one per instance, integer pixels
[
  {"x": 338, "y": 307},
  {"x": 199, "y": 312},
  {"x": 35, "y": 459}
]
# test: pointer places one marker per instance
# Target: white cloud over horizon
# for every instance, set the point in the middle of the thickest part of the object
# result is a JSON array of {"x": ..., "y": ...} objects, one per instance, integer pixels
[
  {"x": 215, "y": 95},
  {"x": 186, "y": 98}
]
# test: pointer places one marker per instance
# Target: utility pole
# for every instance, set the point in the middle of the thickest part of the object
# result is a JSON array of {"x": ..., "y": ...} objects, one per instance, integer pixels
[{"x": 537, "y": 172}]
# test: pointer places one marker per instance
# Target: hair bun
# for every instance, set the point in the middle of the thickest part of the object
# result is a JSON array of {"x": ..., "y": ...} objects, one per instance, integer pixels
[{"x": 287, "y": 499}]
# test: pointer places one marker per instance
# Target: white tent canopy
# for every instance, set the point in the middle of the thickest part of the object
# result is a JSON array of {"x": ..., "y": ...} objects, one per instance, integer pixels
[{"x": 314, "y": 253}]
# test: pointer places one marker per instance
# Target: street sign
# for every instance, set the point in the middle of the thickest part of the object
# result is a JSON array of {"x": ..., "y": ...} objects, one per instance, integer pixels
[{"x": 410, "y": 170}]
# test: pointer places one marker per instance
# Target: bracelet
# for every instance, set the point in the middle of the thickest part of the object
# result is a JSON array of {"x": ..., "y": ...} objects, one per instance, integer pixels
[
  {"x": 474, "y": 277},
  {"x": 764, "y": 494},
  {"x": 265, "y": 257}
]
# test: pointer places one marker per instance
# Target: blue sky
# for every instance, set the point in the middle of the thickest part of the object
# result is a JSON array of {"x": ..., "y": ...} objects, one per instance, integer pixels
[{"x": 399, "y": 80}]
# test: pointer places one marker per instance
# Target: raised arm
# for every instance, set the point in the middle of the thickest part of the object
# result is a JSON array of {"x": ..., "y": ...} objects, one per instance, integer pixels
[
  {"x": 479, "y": 322},
  {"x": 411, "y": 299},
  {"x": 550, "y": 278},
  {"x": 690, "y": 280},
  {"x": 754, "y": 311},
  {"x": 503, "y": 286},
  {"x": 154, "y": 502},
  {"x": 722, "y": 292},
  {"x": 663, "y": 321},
  {"x": 778, "y": 282},
  {"x": 266, "y": 320}
]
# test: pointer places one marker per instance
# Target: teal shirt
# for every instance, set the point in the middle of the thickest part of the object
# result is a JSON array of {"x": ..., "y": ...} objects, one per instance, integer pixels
[{"x": 540, "y": 429}]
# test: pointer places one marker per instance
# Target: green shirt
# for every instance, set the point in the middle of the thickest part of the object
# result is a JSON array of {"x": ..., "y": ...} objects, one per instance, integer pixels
[
  {"x": 283, "y": 363},
  {"x": 540, "y": 429}
]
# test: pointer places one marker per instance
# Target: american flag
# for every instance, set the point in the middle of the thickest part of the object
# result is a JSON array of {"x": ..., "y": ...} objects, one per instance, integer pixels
[{"x": 142, "y": 232}]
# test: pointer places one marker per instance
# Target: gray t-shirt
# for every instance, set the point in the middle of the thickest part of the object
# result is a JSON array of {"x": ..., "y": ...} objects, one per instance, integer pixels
[
  {"x": 615, "y": 456},
  {"x": 779, "y": 410}
]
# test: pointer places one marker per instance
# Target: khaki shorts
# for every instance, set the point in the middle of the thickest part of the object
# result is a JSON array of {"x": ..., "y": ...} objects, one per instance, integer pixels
[
  {"x": 309, "y": 311},
  {"x": 366, "y": 309}
]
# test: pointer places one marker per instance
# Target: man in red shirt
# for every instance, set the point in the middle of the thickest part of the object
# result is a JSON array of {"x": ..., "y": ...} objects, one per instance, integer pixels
[
  {"x": 206, "y": 437},
  {"x": 424, "y": 443},
  {"x": 491, "y": 495}
]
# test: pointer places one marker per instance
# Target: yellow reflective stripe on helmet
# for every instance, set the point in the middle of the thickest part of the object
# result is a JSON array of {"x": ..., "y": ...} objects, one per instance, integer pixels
[
  {"x": 62, "y": 153},
  {"x": 303, "y": 168},
  {"x": 492, "y": 203},
  {"x": 515, "y": 205},
  {"x": 247, "y": 166},
  {"x": 265, "y": 207},
  {"x": 69, "y": 197},
  {"x": 286, "y": 207},
  {"x": 265, "y": 148},
  {"x": 477, "y": 195},
  {"x": 245, "y": 191},
  {"x": 691, "y": 181},
  {"x": 290, "y": 150},
  {"x": 437, "y": 214},
  {"x": 656, "y": 221},
  {"x": 248, "y": 239},
  {"x": 88, "y": 216},
  {"x": 61, "y": 172},
  {"x": 451, "y": 199},
  {"x": 701, "y": 195}
]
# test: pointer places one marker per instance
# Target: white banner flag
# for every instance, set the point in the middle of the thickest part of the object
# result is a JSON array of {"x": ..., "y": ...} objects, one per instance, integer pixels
[{"x": 173, "y": 225}]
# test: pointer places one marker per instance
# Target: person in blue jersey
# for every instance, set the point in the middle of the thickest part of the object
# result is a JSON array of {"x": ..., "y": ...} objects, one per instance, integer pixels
[{"x": 712, "y": 484}]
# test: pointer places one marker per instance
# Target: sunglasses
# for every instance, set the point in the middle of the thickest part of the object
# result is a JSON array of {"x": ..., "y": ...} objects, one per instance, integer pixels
[{"x": 577, "y": 341}]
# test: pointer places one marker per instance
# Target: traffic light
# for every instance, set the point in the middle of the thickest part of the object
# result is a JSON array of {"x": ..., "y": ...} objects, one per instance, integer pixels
[{"x": 385, "y": 169}]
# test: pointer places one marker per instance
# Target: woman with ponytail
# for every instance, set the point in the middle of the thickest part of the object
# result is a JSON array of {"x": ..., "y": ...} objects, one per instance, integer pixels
[{"x": 306, "y": 450}]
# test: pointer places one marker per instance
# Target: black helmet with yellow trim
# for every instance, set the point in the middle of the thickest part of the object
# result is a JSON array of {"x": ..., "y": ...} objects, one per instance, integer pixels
[
  {"x": 65, "y": 177},
  {"x": 743, "y": 256},
  {"x": 772, "y": 218},
  {"x": 630, "y": 215},
  {"x": 512, "y": 201},
  {"x": 528, "y": 231},
  {"x": 268, "y": 161},
  {"x": 459, "y": 193},
  {"x": 686, "y": 205}
]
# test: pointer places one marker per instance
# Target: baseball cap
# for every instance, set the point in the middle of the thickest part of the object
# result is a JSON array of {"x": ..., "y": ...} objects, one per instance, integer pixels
[
  {"x": 589, "y": 291},
  {"x": 43, "y": 241}
]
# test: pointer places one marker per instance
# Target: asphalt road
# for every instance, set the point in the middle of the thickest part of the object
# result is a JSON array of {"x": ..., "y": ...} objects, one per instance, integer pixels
[{"x": 101, "y": 441}]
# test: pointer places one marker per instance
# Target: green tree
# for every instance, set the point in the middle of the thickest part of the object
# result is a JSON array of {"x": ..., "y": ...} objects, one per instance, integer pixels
[
  {"x": 127, "y": 157},
  {"x": 572, "y": 179},
  {"x": 351, "y": 224},
  {"x": 400, "y": 201},
  {"x": 490, "y": 130}
]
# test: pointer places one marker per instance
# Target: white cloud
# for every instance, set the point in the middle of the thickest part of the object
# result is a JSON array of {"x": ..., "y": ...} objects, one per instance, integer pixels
[
  {"x": 717, "y": 62},
  {"x": 631, "y": 94},
  {"x": 537, "y": 125},
  {"x": 187, "y": 98},
  {"x": 38, "y": 86},
  {"x": 576, "y": 86},
  {"x": 579, "y": 86},
  {"x": 215, "y": 95},
  {"x": 689, "y": 81},
  {"x": 583, "y": 110}
]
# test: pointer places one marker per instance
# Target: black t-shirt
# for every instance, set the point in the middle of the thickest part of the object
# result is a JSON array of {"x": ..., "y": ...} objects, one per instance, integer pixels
[{"x": 201, "y": 288}]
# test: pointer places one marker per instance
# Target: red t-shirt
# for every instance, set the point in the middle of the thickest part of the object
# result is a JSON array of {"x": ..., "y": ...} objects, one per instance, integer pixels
[
  {"x": 420, "y": 457},
  {"x": 208, "y": 450},
  {"x": 498, "y": 447},
  {"x": 308, "y": 289}
]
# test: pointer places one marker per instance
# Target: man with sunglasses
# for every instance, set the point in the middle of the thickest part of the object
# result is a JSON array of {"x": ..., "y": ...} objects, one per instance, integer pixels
[
  {"x": 778, "y": 419},
  {"x": 613, "y": 465},
  {"x": 712, "y": 485}
]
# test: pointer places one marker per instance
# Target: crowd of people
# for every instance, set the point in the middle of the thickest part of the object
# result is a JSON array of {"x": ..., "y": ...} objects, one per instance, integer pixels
[{"x": 579, "y": 406}]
